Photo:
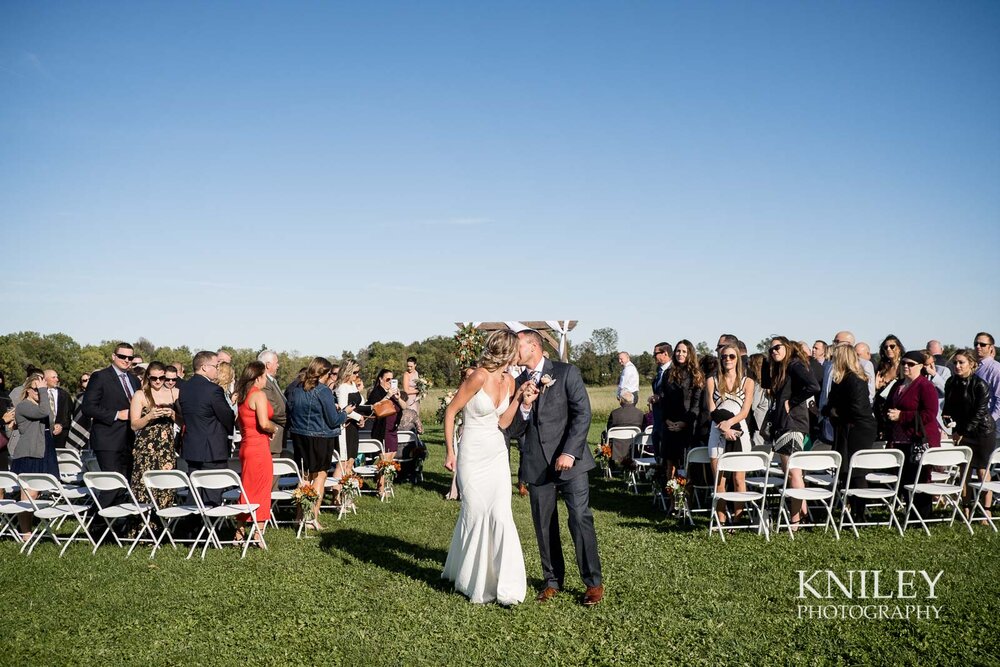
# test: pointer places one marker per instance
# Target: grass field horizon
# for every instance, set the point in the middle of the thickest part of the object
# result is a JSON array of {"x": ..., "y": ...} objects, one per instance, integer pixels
[{"x": 367, "y": 590}]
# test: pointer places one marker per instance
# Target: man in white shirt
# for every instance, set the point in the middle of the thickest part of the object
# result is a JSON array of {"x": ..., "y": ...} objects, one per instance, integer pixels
[{"x": 629, "y": 379}]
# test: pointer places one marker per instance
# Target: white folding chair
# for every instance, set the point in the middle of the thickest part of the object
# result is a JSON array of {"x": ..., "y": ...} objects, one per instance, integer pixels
[
  {"x": 643, "y": 459},
  {"x": 214, "y": 516},
  {"x": 53, "y": 512},
  {"x": 114, "y": 481},
  {"x": 754, "y": 500},
  {"x": 697, "y": 456},
  {"x": 956, "y": 462},
  {"x": 887, "y": 462},
  {"x": 11, "y": 508},
  {"x": 984, "y": 486},
  {"x": 369, "y": 448},
  {"x": 332, "y": 482},
  {"x": 71, "y": 470},
  {"x": 176, "y": 481},
  {"x": 287, "y": 473},
  {"x": 68, "y": 454},
  {"x": 823, "y": 461},
  {"x": 407, "y": 438},
  {"x": 648, "y": 430}
]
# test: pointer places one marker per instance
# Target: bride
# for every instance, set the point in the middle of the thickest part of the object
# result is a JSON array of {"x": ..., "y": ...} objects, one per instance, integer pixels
[{"x": 485, "y": 559}]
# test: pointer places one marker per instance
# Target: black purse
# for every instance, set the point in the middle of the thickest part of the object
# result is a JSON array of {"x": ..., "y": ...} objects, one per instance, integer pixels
[{"x": 919, "y": 444}]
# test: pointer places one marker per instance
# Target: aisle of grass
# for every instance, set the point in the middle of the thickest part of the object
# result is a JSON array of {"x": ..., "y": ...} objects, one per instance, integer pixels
[{"x": 367, "y": 591}]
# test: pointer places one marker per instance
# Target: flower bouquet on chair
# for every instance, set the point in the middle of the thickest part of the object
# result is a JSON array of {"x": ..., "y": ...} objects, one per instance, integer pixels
[
  {"x": 350, "y": 491},
  {"x": 305, "y": 498},
  {"x": 602, "y": 454},
  {"x": 676, "y": 490},
  {"x": 385, "y": 473}
]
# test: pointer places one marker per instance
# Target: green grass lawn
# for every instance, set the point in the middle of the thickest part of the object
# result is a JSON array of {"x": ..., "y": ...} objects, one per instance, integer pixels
[{"x": 367, "y": 591}]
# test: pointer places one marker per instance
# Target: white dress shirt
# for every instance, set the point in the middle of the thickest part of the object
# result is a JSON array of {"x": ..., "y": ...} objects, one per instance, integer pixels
[{"x": 629, "y": 380}]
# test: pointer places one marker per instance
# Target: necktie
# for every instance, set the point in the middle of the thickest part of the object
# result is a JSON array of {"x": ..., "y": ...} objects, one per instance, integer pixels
[
  {"x": 52, "y": 401},
  {"x": 659, "y": 376},
  {"x": 126, "y": 385}
]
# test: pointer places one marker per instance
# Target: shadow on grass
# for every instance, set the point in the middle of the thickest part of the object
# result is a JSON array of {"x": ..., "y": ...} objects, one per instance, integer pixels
[
  {"x": 438, "y": 482},
  {"x": 390, "y": 553}
]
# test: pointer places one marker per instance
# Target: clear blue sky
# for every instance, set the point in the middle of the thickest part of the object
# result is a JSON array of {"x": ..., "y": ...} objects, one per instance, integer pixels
[{"x": 316, "y": 176}]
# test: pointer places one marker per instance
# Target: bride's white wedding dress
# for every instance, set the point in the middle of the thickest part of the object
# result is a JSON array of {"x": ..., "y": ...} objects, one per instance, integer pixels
[{"x": 485, "y": 559}]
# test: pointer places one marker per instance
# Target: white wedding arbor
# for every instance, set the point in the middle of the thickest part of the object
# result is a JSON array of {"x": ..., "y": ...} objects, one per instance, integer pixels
[{"x": 555, "y": 332}]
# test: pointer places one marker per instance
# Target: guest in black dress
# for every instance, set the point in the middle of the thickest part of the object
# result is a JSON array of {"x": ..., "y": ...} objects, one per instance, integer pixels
[
  {"x": 681, "y": 406},
  {"x": 850, "y": 412}
]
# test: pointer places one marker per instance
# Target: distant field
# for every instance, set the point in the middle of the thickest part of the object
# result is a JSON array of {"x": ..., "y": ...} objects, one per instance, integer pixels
[{"x": 602, "y": 402}]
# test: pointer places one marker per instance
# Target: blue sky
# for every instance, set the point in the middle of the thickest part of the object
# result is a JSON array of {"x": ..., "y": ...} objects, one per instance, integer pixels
[{"x": 316, "y": 176}]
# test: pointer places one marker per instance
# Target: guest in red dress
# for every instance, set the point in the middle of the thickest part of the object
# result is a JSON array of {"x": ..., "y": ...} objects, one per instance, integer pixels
[{"x": 255, "y": 414}]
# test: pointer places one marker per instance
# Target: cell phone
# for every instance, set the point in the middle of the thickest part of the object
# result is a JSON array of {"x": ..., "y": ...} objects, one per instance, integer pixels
[{"x": 394, "y": 383}]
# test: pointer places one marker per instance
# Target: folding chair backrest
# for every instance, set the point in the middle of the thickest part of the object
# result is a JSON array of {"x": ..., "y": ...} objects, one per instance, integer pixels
[
  {"x": 67, "y": 454},
  {"x": 877, "y": 459},
  {"x": 40, "y": 482},
  {"x": 8, "y": 481},
  {"x": 214, "y": 479},
  {"x": 105, "y": 481},
  {"x": 813, "y": 460},
  {"x": 994, "y": 458},
  {"x": 697, "y": 455},
  {"x": 165, "y": 480},
  {"x": 648, "y": 429},
  {"x": 644, "y": 445},
  {"x": 743, "y": 461},
  {"x": 623, "y": 432},
  {"x": 285, "y": 468},
  {"x": 406, "y": 437},
  {"x": 369, "y": 446},
  {"x": 950, "y": 456}
]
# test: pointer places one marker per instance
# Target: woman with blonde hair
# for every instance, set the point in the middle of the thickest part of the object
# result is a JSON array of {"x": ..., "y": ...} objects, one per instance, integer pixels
[
  {"x": 967, "y": 403},
  {"x": 485, "y": 559},
  {"x": 850, "y": 412},
  {"x": 348, "y": 396},
  {"x": 730, "y": 395}
]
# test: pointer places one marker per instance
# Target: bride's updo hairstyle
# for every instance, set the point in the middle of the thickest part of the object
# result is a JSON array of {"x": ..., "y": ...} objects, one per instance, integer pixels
[{"x": 500, "y": 350}]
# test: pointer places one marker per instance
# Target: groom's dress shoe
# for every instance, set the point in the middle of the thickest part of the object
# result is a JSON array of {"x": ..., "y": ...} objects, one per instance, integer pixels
[
  {"x": 593, "y": 595},
  {"x": 547, "y": 594}
]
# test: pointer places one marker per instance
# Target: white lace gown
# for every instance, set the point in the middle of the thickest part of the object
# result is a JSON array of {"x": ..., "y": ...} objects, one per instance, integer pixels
[{"x": 485, "y": 559}]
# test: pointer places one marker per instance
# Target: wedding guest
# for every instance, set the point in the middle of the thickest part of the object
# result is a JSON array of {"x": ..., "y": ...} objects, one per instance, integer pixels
[
  {"x": 864, "y": 352},
  {"x": 208, "y": 421},
  {"x": 662, "y": 354},
  {"x": 384, "y": 428},
  {"x": 912, "y": 411},
  {"x": 989, "y": 370},
  {"x": 889, "y": 372},
  {"x": 33, "y": 450},
  {"x": 629, "y": 378},
  {"x": 138, "y": 367},
  {"x": 79, "y": 428},
  {"x": 680, "y": 403},
  {"x": 179, "y": 366},
  {"x": 226, "y": 379},
  {"x": 62, "y": 408},
  {"x": 348, "y": 396},
  {"x": 935, "y": 348},
  {"x": 410, "y": 388},
  {"x": 790, "y": 384},
  {"x": 626, "y": 414},
  {"x": 842, "y": 338},
  {"x": 276, "y": 398},
  {"x": 938, "y": 375},
  {"x": 729, "y": 394},
  {"x": 850, "y": 412},
  {"x": 314, "y": 422},
  {"x": 761, "y": 402},
  {"x": 819, "y": 349},
  {"x": 153, "y": 412},
  {"x": 256, "y": 427},
  {"x": 709, "y": 367},
  {"x": 967, "y": 403}
]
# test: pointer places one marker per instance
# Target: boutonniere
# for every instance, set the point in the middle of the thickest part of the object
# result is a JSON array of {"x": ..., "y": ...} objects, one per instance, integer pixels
[{"x": 546, "y": 381}]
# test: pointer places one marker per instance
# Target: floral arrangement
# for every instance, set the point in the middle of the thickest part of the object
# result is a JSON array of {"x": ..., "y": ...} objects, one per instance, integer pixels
[
  {"x": 677, "y": 489},
  {"x": 305, "y": 497},
  {"x": 350, "y": 487},
  {"x": 422, "y": 386},
  {"x": 443, "y": 405},
  {"x": 603, "y": 456},
  {"x": 470, "y": 342},
  {"x": 387, "y": 470}
]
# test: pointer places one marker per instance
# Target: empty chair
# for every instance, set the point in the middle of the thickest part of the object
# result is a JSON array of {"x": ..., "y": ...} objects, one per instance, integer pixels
[
  {"x": 697, "y": 467},
  {"x": 984, "y": 487},
  {"x": 213, "y": 517},
  {"x": 169, "y": 515},
  {"x": 370, "y": 449},
  {"x": 112, "y": 514},
  {"x": 888, "y": 464},
  {"x": 753, "y": 500},
  {"x": 826, "y": 462},
  {"x": 53, "y": 511},
  {"x": 289, "y": 479},
  {"x": 643, "y": 460},
  {"x": 956, "y": 462},
  {"x": 11, "y": 508}
]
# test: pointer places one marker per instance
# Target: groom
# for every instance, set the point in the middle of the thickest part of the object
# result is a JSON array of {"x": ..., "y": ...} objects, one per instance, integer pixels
[{"x": 552, "y": 425}]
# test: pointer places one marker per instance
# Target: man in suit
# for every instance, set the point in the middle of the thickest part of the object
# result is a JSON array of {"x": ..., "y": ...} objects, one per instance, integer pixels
[
  {"x": 662, "y": 353},
  {"x": 106, "y": 402},
  {"x": 61, "y": 404},
  {"x": 276, "y": 398},
  {"x": 551, "y": 425},
  {"x": 208, "y": 421},
  {"x": 624, "y": 415}
]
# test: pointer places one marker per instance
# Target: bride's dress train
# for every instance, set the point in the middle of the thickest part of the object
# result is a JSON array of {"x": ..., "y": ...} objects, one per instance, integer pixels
[{"x": 485, "y": 559}]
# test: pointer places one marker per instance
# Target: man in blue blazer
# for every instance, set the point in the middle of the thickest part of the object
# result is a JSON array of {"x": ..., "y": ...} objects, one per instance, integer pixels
[
  {"x": 208, "y": 421},
  {"x": 106, "y": 402}
]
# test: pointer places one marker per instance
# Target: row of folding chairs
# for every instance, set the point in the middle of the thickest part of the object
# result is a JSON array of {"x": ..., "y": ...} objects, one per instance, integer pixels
[
  {"x": 55, "y": 502},
  {"x": 946, "y": 468}
]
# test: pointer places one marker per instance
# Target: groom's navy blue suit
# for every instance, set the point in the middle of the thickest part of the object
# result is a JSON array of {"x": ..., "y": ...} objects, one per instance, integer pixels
[{"x": 558, "y": 424}]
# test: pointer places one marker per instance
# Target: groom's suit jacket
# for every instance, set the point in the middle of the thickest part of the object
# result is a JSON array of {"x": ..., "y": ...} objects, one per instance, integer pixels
[{"x": 557, "y": 424}]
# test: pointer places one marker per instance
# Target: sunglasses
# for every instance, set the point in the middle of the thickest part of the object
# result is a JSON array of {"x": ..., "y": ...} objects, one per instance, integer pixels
[
  {"x": 730, "y": 357},
  {"x": 125, "y": 357},
  {"x": 157, "y": 378},
  {"x": 775, "y": 348},
  {"x": 890, "y": 346},
  {"x": 911, "y": 364},
  {"x": 166, "y": 379},
  {"x": 982, "y": 344}
]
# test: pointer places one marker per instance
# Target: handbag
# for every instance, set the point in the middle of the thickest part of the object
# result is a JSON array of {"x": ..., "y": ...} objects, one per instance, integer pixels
[
  {"x": 383, "y": 408},
  {"x": 919, "y": 444}
]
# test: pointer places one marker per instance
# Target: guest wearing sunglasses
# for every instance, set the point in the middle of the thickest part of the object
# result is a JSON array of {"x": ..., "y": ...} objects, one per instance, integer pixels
[
  {"x": 730, "y": 394},
  {"x": 153, "y": 413},
  {"x": 912, "y": 410},
  {"x": 107, "y": 402},
  {"x": 889, "y": 372},
  {"x": 989, "y": 370},
  {"x": 348, "y": 395}
]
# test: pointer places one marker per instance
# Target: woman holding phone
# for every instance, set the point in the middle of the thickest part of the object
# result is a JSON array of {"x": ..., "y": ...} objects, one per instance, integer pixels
[
  {"x": 384, "y": 429},
  {"x": 152, "y": 415}
]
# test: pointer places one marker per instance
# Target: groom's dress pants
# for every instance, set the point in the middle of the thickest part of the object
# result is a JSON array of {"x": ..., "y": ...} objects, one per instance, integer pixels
[{"x": 576, "y": 493}]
